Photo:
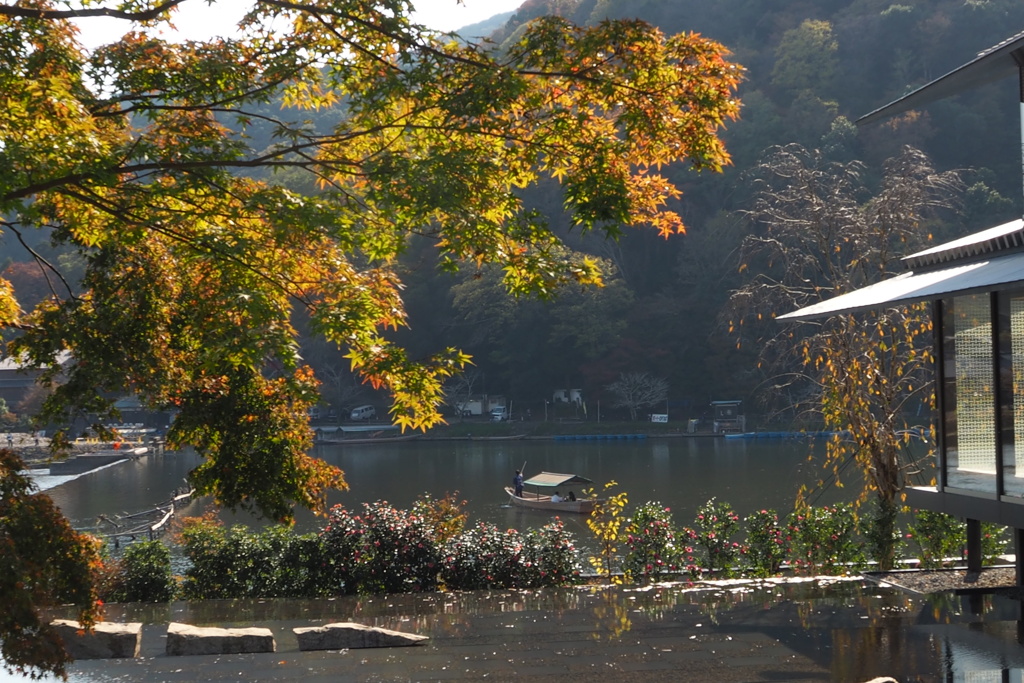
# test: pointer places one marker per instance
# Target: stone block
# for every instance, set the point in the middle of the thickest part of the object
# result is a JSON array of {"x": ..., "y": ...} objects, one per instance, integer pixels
[
  {"x": 346, "y": 635},
  {"x": 107, "y": 639},
  {"x": 184, "y": 639}
]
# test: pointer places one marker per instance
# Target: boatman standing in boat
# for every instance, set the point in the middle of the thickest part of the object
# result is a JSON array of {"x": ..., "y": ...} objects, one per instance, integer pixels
[{"x": 517, "y": 484}]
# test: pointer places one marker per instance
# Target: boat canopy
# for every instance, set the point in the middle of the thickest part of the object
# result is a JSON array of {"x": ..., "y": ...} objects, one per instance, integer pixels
[{"x": 555, "y": 479}]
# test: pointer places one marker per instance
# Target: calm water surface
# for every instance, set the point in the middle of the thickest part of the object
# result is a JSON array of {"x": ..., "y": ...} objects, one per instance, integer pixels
[
  {"x": 682, "y": 473},
  {"x": 849, "y": 631}
]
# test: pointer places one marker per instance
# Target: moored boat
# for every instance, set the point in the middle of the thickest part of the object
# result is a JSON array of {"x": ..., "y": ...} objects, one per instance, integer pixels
[{"x": 544, "y": 486}]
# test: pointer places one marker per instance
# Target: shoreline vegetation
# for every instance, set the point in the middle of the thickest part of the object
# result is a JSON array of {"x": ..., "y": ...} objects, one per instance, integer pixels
[
  {"x": 468, "y": 429},
  {"x": 37, "y": 450},
  {"x": 431, "y": 547},
  {"x": 647, "y": 539}
]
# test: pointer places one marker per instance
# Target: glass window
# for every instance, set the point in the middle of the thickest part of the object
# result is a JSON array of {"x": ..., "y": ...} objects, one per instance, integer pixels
[
  {"x": 1013, "y": 458},
  {"x": 971, "y": 439}
]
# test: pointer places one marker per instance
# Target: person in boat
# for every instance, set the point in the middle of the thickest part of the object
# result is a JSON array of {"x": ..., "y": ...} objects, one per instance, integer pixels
[
  {"x": 517, "y": 484},
  {"x": 556, "y": 498},
  {"x": 572, "y": 497}
]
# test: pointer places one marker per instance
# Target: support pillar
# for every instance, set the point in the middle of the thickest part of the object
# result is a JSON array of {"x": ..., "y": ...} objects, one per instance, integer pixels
[
  {"x": 1018, "y": 550},
  {"x": 974, "y": 545}
]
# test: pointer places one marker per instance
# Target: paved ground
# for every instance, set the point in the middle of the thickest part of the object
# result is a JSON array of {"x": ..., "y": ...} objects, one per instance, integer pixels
[
  {"x": 733, "y": 634},
  {"x": 492, "y": 647},
  {"x": 547, "y": 649}
]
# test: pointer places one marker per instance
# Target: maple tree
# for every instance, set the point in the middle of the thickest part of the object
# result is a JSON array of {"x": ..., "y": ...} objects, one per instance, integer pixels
[
  {"x": 139, "y": 156},
  {"x": 43, "y": 563}
]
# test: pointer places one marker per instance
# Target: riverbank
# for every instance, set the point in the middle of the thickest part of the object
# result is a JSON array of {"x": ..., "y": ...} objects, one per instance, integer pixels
[
  {"x": 35, "y": 452},
  {"x": 480, "y": 429}
]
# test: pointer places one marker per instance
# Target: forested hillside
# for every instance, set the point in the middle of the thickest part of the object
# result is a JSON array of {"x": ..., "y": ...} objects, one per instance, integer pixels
[{"x": 812, "y": 68}]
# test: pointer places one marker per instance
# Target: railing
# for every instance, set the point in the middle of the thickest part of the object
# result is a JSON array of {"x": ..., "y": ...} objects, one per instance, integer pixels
[{"x": 150, "y": 529}]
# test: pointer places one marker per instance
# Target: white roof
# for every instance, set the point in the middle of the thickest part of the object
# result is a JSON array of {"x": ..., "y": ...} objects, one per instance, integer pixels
[
  {"x": 988, "y": 260},
  {"x": 555, "y": 479},
  {"x": 996, "y": 237}
]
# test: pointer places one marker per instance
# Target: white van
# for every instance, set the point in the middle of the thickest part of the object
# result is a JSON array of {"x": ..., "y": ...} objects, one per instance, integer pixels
[
  {"x": 363, "y": 413},
  {"x": 498, "y": 414}
]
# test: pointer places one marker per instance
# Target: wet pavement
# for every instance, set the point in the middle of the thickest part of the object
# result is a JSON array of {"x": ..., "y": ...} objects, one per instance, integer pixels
[{"x": 845, "y": 631}]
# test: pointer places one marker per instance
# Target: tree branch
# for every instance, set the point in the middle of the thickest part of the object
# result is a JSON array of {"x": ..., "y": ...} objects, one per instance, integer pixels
[{"x": 23, "y": 12}]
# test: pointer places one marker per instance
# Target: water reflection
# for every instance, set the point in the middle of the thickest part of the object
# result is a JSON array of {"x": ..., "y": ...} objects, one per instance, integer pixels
[
  {"x": 611, "y": 615},
  {"x": 834, "y": 630}
]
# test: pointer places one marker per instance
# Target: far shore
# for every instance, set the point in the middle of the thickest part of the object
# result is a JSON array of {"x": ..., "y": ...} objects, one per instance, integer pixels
[
  {"x": 35, "y": 450},
  {"x": 480, "y": 428}
]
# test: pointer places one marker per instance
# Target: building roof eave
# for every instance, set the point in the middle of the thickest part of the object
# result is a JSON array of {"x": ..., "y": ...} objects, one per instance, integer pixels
[
  {"x": 999, "y": 272},
  {"x": 996, "y": 63}
]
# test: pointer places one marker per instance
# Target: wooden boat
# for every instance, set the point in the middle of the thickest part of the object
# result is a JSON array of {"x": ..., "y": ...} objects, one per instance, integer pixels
[{"x": 544, "y": 485}]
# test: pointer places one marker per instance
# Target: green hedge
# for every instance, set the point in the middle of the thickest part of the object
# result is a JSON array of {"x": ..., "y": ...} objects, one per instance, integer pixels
[{"x": 383, "y": 549}]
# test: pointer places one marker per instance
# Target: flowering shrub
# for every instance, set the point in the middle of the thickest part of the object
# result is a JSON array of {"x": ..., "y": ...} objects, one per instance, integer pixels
[
  {"x": 690, "y": 564},
  {"x": 651, "y": 544},
  {"x": 486, "y": 557},
  {"x": 341, "y": 539},
  {"x": 714, "y": 527},
  {"x": 766, "y": 543},
  {"x": 994, "y": 541},
  {"x": 384, "y": 550},
  {"x": 556, "y": 560},
  {"x": 823, "y": 540}
]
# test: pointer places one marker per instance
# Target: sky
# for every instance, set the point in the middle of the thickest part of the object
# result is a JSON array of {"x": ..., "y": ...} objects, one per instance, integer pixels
[
  {"x": 448, "y": 15},
  {"x": 198, "y": 20}
]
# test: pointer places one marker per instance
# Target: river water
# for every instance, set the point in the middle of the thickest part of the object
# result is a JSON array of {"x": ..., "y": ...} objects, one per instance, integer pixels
[
  {"x": 681, "y": 473},
  {"x": 843, "y": 632}
]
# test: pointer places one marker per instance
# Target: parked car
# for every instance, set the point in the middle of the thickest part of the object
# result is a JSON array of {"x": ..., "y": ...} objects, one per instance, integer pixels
[
  {"x": 499, "y": 414},
  {"x": 363, "y": 413}
]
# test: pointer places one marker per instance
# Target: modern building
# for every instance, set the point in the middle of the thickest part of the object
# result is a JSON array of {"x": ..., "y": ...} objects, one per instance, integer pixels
[{"x": 976, "y": 287}]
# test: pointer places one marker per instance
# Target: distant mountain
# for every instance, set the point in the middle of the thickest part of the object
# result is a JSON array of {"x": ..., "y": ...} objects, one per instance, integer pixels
[{"x": 485, "y": 28}]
